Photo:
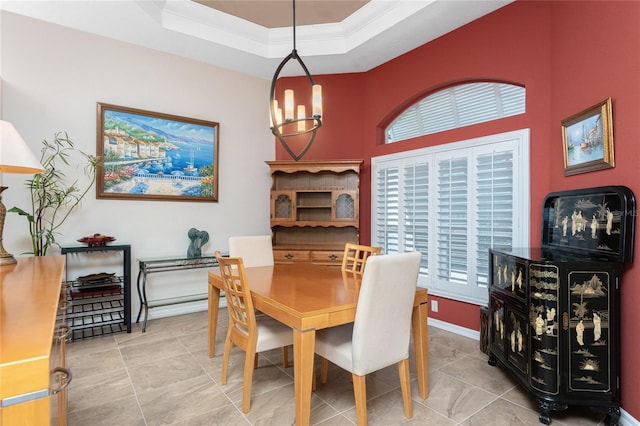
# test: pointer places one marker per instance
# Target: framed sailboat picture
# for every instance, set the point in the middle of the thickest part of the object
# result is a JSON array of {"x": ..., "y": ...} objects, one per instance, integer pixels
[
  {"x": 587, "y": 139},
  {"x": 154, "y": 156}
]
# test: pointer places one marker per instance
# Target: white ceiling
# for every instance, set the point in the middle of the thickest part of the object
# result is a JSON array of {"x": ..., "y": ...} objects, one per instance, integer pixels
[{"x": 372, "y": 34}]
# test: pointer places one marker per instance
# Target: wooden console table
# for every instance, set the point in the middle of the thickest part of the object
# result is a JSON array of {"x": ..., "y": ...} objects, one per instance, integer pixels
[{"x": 155, "y": 265}]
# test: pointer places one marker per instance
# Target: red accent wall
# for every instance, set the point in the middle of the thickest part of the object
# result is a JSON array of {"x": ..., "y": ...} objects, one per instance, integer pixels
[
  {"x": 595, "y": 55},
  {"x": 568, "y": 55}
]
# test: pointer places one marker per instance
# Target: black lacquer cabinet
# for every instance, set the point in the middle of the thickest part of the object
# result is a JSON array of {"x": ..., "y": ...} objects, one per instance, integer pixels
[{"x": 554, "y": 310}]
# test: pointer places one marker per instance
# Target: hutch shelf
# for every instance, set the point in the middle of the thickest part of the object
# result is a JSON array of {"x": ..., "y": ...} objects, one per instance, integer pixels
[{"x": 314, "y": 209}]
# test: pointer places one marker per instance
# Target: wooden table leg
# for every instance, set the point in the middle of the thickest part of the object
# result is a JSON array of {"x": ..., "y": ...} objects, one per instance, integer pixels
[
  {"x": 303, "y": 353},
  {"x": 214, "y": 302},
  {"x": 420, "y": 346}
]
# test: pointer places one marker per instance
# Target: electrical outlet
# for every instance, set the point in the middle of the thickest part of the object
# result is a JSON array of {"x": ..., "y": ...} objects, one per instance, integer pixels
[{"x": 434, "y": 306}]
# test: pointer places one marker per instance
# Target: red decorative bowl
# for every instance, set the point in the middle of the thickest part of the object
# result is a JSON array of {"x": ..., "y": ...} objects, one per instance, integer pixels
[{"x": 96, "y": 240}]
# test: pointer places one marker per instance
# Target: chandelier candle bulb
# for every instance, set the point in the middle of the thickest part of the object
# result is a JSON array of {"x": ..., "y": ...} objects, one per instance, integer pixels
[
  {"x": 317, "y": 100},
  {"x": 302, "y": 124},
  {"x": 288, "y": 104},
  {"x": 274, "y": 107}
]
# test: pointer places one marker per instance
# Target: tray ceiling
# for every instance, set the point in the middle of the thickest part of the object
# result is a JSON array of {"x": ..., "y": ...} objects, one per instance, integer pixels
[{"x": 332, "y": 36}]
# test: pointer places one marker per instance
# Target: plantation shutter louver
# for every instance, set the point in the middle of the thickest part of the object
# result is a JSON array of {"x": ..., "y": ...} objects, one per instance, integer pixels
[
  {"x": 416, "y": 210},
  {"x": 494, "y": 206},
  {"x": 387, "y": 209},
  {"x": 452, "y": 196}
]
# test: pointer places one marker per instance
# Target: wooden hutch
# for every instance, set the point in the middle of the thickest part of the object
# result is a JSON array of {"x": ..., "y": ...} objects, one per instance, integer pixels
[{"x": 314, "y": 209}]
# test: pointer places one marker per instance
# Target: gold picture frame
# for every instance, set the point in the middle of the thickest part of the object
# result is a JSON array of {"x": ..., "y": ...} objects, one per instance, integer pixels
[
  {"x": 587, "y": 140},
  {"x": 154, "y": 156}
]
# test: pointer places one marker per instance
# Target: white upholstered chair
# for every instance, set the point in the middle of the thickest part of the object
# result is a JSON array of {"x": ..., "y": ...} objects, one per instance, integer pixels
[
  {"x": 255, "y": 250},
  {"x": 379, "y": 336},
  {"x": 250, "y": 333}
]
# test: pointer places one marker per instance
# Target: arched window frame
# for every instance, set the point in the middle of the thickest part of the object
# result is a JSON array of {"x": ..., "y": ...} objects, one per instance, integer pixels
[{"x": 456, "y": 106}]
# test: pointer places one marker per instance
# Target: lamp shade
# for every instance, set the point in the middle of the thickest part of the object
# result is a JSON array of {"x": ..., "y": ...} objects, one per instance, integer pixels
[{"x": 15, "y": 155}]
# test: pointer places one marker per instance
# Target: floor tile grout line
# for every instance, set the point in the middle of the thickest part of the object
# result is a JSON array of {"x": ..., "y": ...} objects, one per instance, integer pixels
[
  {"x": 135, "y": 392},
  {"x": 220, "y": 386}
]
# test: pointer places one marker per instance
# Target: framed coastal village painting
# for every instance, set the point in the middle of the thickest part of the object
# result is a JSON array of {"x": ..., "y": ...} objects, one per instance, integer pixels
[
  {"x": 587, "y": 139},
  {"x": 154, "y": 156}
]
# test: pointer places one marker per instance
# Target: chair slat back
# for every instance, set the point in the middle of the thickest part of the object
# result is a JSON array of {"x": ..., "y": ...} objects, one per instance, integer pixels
[
  {"x": 356, "y": 255},
  {"x": 237, "y": 293}
]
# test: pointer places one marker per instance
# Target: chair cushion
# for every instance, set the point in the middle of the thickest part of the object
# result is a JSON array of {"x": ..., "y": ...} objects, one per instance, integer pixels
[
  {"x": 272, "y": 334},
  {"x": 335, "y": 344}
]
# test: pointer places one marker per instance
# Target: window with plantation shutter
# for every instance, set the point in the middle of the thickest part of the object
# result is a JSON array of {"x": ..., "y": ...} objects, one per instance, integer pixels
[
  {"x": 452, "y": 203},
  {"x": 457, "y": 106}
]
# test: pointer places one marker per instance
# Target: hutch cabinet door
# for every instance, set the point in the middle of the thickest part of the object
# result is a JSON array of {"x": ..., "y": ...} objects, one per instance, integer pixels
[
  {"x": 345, "y": 206},
  {"x": 282, "y": 203}
]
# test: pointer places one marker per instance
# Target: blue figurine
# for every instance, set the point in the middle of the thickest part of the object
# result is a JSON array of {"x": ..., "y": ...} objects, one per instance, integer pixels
[{"x": 198, "y": 239}]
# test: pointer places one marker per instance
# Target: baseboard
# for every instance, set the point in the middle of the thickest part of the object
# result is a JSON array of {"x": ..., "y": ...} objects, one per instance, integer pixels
[
  {"x": 463, "y": 331},
  {"x": 627, "y": 420}
]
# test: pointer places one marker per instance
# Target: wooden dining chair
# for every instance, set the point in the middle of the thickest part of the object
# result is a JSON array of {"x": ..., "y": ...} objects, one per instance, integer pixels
[
  {"x": 379, "y": 336},
  {"x": 255, "y": 250},
  {"x": 250, "y": 333},
  {"x": 356, "y": 255}
]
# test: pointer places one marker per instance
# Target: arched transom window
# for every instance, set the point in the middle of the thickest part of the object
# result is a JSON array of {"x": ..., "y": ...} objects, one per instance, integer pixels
[{"x": 457, "y": 106}]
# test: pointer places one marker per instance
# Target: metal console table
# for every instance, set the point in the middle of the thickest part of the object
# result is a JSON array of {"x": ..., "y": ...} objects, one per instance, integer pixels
[{"x": 149, "y": 266}]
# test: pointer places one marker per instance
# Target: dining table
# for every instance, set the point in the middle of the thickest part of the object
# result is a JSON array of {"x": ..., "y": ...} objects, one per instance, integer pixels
[{"x": 309, "y": 297}]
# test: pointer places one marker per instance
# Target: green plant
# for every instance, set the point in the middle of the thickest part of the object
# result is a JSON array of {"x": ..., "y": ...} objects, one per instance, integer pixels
[{"x": 52, "y": 199}]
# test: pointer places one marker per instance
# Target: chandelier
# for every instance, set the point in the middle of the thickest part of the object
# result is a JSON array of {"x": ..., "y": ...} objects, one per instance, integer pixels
[{"x": 296, "y": 122}]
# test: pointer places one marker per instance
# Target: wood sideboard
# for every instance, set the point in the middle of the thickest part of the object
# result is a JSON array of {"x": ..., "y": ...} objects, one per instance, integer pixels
[{"x": 32, "y": 343}]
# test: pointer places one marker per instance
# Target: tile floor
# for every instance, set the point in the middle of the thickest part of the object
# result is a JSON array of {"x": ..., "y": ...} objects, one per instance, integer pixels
[{"x": 164, "y": 377}]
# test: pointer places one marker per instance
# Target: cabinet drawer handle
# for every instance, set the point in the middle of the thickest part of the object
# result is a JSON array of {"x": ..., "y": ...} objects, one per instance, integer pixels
[
  {"x": 288, "y": 256},
  {"x": 565, "y": 321},
  {"x": 66, "y": 373},
  {"x": 333, "y": 257}
]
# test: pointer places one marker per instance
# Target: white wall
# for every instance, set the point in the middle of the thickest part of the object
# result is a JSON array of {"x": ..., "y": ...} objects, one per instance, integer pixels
[{"x": 52, "y": 78}]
